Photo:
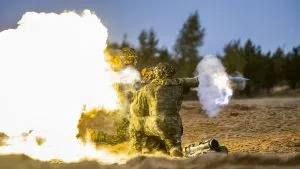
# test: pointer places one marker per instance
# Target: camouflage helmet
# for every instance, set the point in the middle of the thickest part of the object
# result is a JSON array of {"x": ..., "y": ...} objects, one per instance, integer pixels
[
  {"x": 164, "y": 70},
  {"x": 147, "y": 73},
  {"x": 128, "y": 56}
]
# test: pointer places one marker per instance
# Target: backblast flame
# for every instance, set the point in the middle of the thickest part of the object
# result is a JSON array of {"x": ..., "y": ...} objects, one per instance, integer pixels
[{"x": 50, "y": 66}]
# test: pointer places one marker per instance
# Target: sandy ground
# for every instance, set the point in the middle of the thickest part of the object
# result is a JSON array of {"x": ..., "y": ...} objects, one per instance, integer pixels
[
  {"x": 248, "y": 125},
  {"x": 259, "y": 133}
]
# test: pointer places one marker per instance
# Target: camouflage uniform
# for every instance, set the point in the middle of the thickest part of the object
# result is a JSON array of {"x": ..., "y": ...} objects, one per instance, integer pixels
[
  {"x": 155, "y": 109},
  {"x": 147, "y": 75},
  {"x": 128, "y": 57}
]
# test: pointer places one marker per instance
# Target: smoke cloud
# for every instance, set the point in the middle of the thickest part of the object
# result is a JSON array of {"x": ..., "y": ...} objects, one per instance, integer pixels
[
  {"x": 50, "y": 66},
  {"x": 214, "y": 89}
]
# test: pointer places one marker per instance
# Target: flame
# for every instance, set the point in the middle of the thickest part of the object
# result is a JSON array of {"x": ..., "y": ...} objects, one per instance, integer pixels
[
  {"x": 70, "y": 150},
  {"x": 50, "y": 66}
]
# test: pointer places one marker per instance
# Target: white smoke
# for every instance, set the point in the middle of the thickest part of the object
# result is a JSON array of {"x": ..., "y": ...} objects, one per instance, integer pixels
[
  {"x": 50, "y": 66},
  {"x": 214, "y": 89},
  {"x": 127, "y": 75}
]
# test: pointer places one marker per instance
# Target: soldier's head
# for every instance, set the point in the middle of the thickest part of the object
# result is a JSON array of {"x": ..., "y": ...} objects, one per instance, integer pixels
[
  {"x": 164, "y": 70},
  {"x": 147, "y": 74},
  {"x": 128, "y": 57}
]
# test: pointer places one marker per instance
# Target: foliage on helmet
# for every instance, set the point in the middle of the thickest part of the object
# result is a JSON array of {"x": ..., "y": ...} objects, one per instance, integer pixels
[
  {"x": 164, "y": 70},
  {"x": 128, "y": 56}
]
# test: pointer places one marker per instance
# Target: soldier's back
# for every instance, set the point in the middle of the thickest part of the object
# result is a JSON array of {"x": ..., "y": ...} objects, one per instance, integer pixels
[{"x": 165, "y": 97}]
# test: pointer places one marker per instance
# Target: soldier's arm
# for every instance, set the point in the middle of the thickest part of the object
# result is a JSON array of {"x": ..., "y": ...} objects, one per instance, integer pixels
[{"x": 188, "y": 83}]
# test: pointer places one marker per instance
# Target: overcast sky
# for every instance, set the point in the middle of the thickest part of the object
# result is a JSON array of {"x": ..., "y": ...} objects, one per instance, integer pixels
[{"x": 269, "y": 23}]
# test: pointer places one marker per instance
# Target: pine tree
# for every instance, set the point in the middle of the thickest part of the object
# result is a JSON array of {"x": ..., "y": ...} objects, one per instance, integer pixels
[
  {"x": 234, "y": 59},
  {"x": 254, "y": 67},
  {"x": 278, "y": 62},
  {"x": 190, "y": 38},
  {"x": 164, "y": 55},
  {"x": 270, "y": 78},
  {"x": 147, "y": 49},
  {"x": 152, "y": 44},
  {"x": 292, "y": 68},
  {"x": 142, "y": 50},
  {"x": 125, "y": 43}
]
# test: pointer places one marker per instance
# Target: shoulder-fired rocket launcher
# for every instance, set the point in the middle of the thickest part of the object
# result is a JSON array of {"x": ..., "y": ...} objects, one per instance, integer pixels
[{"x": 239, "y": 82}]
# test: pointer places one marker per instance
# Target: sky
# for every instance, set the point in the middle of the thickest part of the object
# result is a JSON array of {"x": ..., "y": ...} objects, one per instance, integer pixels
[{"x": 268, "y": 23}]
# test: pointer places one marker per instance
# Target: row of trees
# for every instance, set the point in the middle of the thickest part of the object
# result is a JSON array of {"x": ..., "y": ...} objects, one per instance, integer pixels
[{"x": 264, "y": 69}]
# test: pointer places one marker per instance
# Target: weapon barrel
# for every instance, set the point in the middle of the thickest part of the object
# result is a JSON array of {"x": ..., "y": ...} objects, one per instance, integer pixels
[
  {"x": 239, "y": 82},
  {"x": 237, "y": 79},
  {"x": 190, "y": 82}
]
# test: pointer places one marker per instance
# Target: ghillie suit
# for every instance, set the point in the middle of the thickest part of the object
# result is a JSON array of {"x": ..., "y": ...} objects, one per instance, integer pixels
[
  {"x": 147, "y": 74},
  {"x": 102, "y": 127},
  {"x": 119, "y": 59},
  {"x": 110, "y": 127},
  {"x": 155, "y": 112}
]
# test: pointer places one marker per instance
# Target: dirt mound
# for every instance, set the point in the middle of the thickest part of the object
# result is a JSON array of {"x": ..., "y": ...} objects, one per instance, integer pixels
[{"x": 216, "y": 161}]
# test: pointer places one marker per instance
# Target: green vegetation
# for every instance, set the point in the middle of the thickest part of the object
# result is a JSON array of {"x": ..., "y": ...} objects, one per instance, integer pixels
[{"x": 265, "y": 70}]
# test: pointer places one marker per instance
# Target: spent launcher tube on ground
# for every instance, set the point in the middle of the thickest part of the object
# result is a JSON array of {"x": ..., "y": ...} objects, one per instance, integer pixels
[{"x": 201, "y": 147}]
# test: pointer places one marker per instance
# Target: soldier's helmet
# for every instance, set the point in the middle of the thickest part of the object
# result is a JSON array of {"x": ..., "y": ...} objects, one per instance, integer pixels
[
  {"x": 164, "y": 70},
  {"x": 128, "y": 57},
  {"x": 147, "y": 74}
]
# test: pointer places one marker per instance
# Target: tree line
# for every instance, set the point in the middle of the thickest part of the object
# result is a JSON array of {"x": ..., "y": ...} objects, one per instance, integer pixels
[{"x": 265, "y": 70}]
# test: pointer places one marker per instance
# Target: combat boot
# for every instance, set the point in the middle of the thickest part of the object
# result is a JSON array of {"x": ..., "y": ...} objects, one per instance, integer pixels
[{"x": 175, "y": 152}]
